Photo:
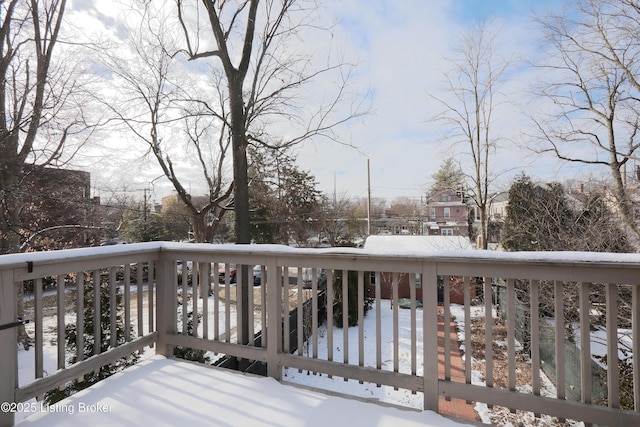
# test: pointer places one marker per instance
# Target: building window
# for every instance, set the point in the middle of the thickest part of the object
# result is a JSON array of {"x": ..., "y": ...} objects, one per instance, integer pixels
[
  {"x": 447, "y": 231},
  {"x": 447, "y": 212},
  {"x": 432, "y": 213}
]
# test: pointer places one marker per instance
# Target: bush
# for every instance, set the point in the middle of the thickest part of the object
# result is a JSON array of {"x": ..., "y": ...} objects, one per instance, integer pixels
[
  {"x": 625, "y": 371},
  {"x": 91, "y": 378}
]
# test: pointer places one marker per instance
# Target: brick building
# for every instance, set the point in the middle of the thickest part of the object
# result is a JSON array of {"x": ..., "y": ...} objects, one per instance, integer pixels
[{"x": 447, "y": 214}]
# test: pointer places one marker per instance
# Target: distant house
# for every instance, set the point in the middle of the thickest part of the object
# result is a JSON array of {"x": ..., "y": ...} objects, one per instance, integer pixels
[
  {"x": 415, "y": 245},
  {"x": 497, "y": 210},
  {"x": 498, "y": 204},
  {"x": 447, "y": 214},
  {"x": 611, "y": 201}
]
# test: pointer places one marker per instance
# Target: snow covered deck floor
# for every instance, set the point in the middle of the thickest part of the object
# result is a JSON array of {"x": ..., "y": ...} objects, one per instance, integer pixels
[{"x": 165, "y": 392}]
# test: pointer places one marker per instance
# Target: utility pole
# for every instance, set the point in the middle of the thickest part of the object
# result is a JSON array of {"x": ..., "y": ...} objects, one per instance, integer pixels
[
  {"x": 144, "y": 209},
  {"x": 368, "y": 197},
  {"x": 334, "y": 190}
]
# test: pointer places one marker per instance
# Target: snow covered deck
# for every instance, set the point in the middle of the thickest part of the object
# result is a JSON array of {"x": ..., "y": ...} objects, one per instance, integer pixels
[{"x": 164, "y": 392}]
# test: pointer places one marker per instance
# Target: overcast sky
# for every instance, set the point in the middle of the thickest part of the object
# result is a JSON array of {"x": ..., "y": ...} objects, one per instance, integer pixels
[{"x": 400, "y": 46}]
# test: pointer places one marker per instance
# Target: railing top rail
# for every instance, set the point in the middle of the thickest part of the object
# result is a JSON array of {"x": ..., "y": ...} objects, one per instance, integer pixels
[
  {"x": 556, "y": 259},
  {"x": 559, "y": 258},
  {"x": 9, "y": 261}
]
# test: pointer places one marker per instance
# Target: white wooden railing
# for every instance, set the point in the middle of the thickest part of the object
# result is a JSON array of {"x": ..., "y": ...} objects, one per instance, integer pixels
[{"x": 546, "y": 284}]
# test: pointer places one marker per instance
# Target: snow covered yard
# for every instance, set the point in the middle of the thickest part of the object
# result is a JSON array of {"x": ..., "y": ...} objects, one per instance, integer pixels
[{"x": 352, "y": 387}]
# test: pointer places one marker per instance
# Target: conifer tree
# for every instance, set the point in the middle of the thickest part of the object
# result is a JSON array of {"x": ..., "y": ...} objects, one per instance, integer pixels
[
  {"x": 449, "y": 176},
  {"x": 89, "y": 349}
]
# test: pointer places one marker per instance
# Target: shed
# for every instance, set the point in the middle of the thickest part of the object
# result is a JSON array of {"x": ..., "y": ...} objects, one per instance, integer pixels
[{"x": 415, "y": 245}]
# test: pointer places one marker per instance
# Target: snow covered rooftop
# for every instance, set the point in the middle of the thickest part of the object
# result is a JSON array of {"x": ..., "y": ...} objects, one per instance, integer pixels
[
  {"x": 164, "y": 392},
  {"x": 416, "y": 243}
]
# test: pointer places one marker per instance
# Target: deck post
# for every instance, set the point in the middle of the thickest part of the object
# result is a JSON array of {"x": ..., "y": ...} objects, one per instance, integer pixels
[
  {"x": 274, "y": 318},
  {"x": 8, "y": 346},
  {"x": 166, "y": 315},
  {"x": 430, "y": 337}
]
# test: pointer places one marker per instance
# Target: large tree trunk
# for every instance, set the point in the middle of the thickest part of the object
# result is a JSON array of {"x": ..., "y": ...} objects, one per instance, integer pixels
[
  {"x": 198, "y": 220},
  {"x": 241, "y": 193},
  {"x": 36, "y": 24},
  {"x": 10, "y": 200},
  {"x": 625, "y": 206},
  {"x": 484, "y": 226},
  {"x": 9, "y": 214}
]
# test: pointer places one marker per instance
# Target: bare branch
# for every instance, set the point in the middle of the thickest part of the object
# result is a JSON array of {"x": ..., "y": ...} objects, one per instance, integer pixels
[
  {"x": 473, "y": 85},
  {"x": 595, "y": 53}
]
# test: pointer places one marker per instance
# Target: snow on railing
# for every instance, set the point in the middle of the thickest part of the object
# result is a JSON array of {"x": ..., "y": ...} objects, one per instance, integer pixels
[{"x": 281, "y": 307}]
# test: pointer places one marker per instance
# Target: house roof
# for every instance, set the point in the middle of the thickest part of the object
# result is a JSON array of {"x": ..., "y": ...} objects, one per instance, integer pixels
[
  {"x": 453, "y": 199},
  {"x": 417, "y": 243},
  {"x": 502, "y": 197}
]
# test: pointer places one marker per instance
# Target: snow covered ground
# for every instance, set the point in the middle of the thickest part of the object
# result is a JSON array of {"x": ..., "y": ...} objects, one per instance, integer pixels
[{"x": 370, "y": 391}]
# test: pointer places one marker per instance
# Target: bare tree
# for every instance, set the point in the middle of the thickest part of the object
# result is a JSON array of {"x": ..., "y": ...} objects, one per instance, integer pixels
[
  {"x": 344, "y": 221},
  {"x": 405, "y": 215},
  {"x": 39, "y": 93},
  {"x": 39, "y": 112},
  {"x": 591, "y": 75},
  {"x": 253, "y": 43},
  {"x": 256, "y": 46},
  {"x": 547, "y": 217},
  {"x": 153, "y": 96},
  {"x": 473, "y": 82}
]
